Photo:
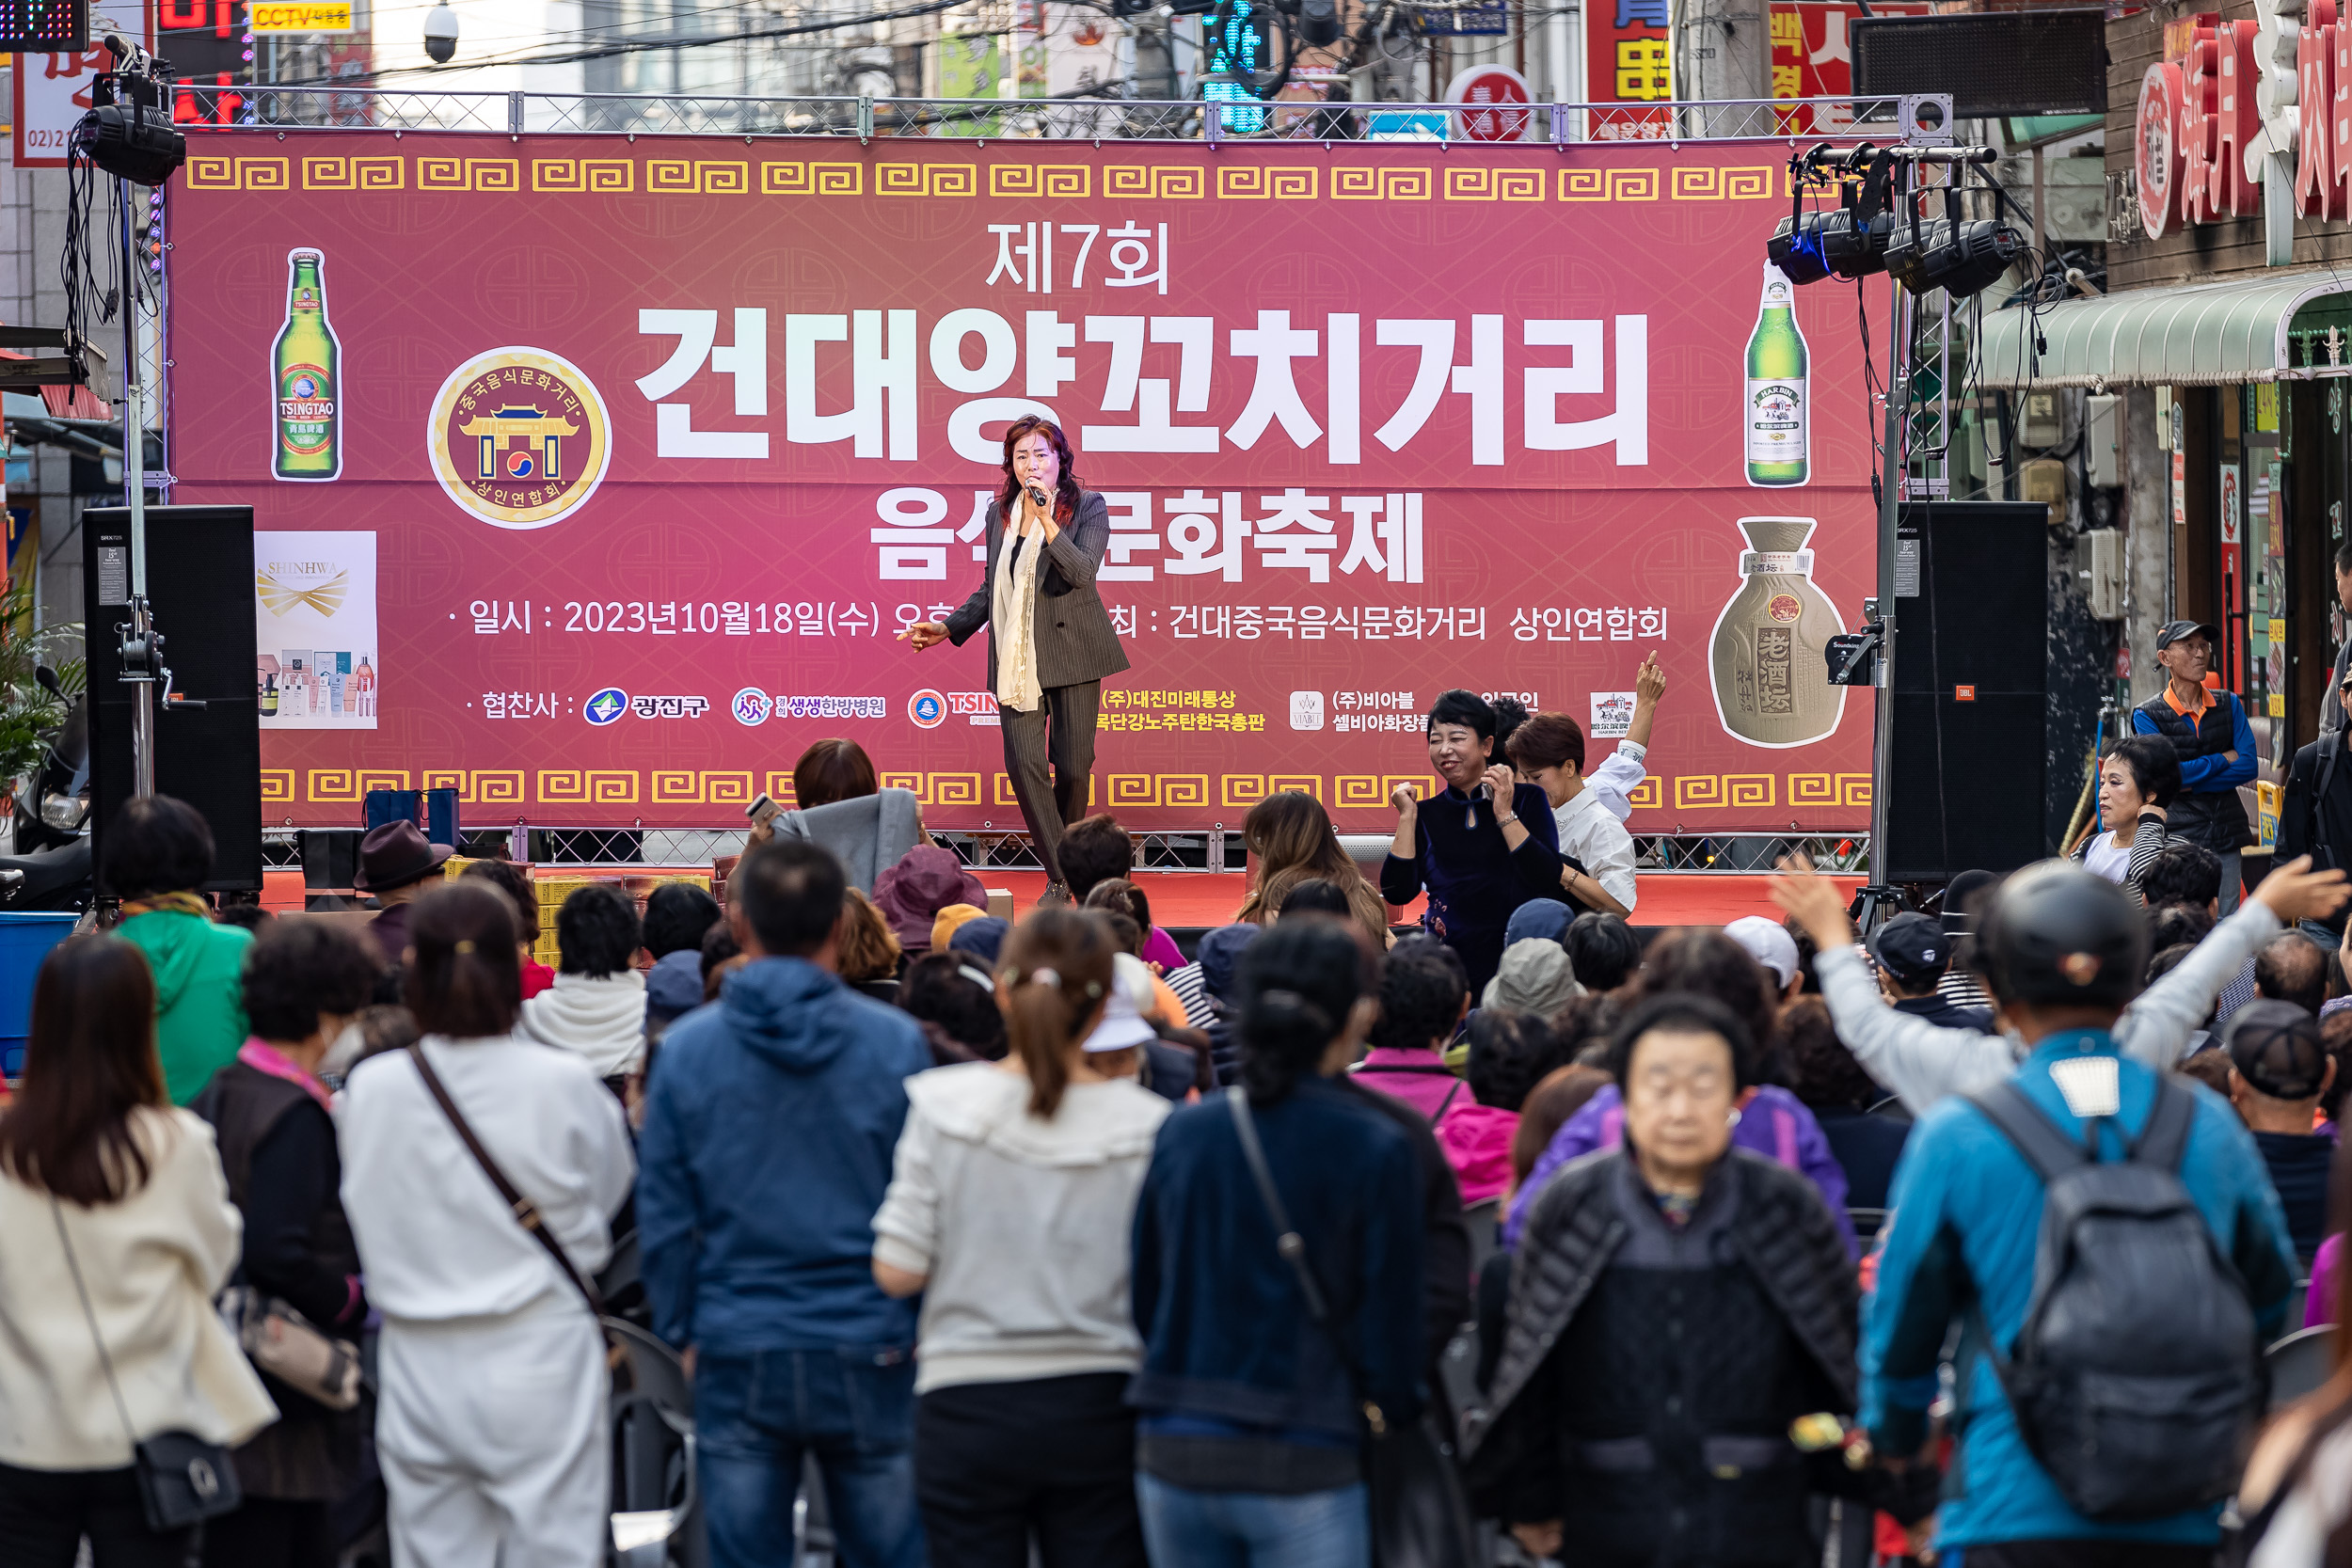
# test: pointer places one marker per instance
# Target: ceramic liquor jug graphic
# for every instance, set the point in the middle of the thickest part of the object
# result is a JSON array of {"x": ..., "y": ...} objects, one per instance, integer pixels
[{"x": 1767, "y": 661}]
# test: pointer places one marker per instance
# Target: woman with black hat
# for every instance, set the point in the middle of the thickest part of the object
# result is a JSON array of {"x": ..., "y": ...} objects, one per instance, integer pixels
[{"x": 395, "y": 862}]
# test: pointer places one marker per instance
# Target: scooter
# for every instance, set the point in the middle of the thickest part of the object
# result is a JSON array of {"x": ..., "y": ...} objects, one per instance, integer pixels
[{"x": 52, "y": 868}]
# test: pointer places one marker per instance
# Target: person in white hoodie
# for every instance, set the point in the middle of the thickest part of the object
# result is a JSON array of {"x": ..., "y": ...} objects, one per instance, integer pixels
[
  {"x": 119, "y": 1230},
  {"x": 596, "y": 1007},
  {"x": 1010, "y": 1205},
  {"x": 491, "y": 1415}
]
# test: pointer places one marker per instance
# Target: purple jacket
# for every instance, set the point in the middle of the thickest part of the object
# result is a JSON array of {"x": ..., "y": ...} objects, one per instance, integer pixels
[
  {"x": 2319, "y": 1306},
  {"x": 1775, "y": 1124}
]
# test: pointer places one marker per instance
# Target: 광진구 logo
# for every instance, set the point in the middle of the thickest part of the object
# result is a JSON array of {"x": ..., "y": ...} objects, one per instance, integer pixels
[
  {"x": 519, "y": 437},
  {"x": 605, "y": 707}
]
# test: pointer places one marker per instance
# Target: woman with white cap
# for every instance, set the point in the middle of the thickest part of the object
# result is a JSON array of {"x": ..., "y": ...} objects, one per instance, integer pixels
[{"x": 1009, "y": 1208}]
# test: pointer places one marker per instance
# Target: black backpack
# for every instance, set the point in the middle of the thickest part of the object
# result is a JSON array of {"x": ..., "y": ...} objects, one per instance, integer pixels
[{"x": 2137, "y": 1379}]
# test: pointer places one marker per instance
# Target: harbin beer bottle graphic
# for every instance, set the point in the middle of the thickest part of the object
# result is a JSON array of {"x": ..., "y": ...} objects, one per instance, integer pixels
[
  {"x": 306, "y": 372},
  {"x": 1778, "y": 449},
  {"x": 1767, "y": 661}
]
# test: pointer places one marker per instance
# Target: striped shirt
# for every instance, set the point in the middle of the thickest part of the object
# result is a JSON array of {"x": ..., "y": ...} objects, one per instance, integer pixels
[
  {"x": 1959, "y": 987},
  {"x": 1193, "y": 993}
]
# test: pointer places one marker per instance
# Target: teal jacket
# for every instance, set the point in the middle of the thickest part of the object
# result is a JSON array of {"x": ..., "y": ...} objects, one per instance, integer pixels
[
  {"x": 200, "y": 993},
  {"x": 1962, "y": 1223}
]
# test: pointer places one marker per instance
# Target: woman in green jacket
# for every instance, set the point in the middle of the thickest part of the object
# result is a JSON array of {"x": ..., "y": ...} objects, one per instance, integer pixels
[{"x": 158, "y": 850}]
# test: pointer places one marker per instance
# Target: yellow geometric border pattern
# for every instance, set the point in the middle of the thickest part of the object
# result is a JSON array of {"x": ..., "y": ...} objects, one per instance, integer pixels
[
  {"x": 738, "y": 787},
  {"x": 446, "y": 173}
]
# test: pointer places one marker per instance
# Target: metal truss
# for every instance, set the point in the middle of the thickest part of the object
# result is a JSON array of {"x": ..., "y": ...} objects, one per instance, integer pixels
[{"x": 1104, "y": 118}]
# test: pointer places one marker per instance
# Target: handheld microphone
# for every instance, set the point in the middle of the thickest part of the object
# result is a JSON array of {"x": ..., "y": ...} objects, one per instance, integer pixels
[{"x": 1037, "y": 494}]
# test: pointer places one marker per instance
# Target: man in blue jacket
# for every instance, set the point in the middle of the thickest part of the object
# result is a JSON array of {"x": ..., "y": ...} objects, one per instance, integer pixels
[
  {"x": 2209, "y": 732},
  {"x": 2065, "y": 951},
  {"x": 768, "y": 1140}
]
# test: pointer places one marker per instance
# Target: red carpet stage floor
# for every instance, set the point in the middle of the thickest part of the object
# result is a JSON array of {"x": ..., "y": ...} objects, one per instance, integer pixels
[
  {"x": 1181, "y": 899},
  {"x": 1191, "y": 898}
]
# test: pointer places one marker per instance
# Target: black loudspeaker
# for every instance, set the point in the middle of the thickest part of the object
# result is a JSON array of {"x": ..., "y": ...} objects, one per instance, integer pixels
[
  {"x": 2041, "y": 62},
  {"x": 199, "y": 578},
  {"x": 1970, "y": 697}
]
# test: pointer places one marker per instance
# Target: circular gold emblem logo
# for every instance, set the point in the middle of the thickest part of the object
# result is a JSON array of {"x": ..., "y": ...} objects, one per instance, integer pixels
[{"x": 519, "y": 437}]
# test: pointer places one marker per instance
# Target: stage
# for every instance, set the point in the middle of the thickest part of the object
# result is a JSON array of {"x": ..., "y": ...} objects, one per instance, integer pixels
[{"x": 1194, "y": 900}]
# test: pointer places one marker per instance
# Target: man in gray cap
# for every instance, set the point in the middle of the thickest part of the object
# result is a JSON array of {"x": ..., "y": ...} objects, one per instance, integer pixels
[{"x": 2208, "y": 731}]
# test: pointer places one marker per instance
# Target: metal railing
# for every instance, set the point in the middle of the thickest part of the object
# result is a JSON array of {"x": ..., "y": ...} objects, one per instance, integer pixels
[{"x": 1212, "y": 119}]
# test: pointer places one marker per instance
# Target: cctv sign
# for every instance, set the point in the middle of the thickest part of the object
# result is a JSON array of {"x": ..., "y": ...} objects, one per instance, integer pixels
[{"x": 330, "y": 18}]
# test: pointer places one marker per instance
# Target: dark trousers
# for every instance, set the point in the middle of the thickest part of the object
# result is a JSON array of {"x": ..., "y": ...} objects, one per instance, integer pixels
[
  {"x": 2080, "y": 1554},
  {"x": 271, "y": 1533},
  {"x": 998, "y": 1462},
  {"x": 1050, "y": 807},
  {"x": 44, "y": 1515}
]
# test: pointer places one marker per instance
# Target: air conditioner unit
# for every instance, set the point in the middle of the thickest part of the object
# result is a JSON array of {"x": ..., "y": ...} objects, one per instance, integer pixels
[{"x": 2103, "y": 566}]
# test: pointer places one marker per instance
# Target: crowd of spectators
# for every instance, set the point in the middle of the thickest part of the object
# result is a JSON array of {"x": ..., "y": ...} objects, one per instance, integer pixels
[{"x": 1083, "y": 1241}]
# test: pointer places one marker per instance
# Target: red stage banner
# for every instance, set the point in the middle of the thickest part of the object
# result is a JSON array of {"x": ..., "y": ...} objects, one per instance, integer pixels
[{"x": 594, "y": 477}]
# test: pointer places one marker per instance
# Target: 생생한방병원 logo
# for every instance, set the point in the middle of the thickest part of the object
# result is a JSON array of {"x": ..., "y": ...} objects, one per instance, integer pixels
[{"x": 519, "y": 437}]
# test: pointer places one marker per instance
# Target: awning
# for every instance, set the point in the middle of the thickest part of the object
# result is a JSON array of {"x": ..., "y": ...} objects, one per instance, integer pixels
[{"x": 2195, "y": 335}]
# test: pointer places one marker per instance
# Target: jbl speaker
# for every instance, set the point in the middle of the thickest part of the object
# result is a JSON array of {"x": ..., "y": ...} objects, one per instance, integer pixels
[
  {"x": 199, "y": 579},
  {"x": 1970, "y": 694}
]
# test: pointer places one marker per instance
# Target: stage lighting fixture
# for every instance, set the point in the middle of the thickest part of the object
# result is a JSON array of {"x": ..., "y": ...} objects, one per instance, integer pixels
[
  {"x": 1840, "y": 243},
  {"x": 129, "y": 134},
  {"x": 1959, "y": 258},
  {"x": 1318, "y": 23}
]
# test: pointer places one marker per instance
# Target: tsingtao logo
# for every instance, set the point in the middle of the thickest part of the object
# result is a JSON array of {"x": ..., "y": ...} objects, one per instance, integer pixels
[
  {"x": 605, "y": 707},
  {"x": 928, "y": 709},
  {"x": 751, "y": 707}
]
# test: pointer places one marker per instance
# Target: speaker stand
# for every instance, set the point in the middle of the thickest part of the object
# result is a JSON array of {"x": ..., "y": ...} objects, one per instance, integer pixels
[{"x": 1874, "y": 904}]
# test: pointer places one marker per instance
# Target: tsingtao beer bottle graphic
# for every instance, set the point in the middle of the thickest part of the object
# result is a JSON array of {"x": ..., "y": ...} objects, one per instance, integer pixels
[
  {"x": 1778, "y": 448},
  {"x": 307, "y": 374}
]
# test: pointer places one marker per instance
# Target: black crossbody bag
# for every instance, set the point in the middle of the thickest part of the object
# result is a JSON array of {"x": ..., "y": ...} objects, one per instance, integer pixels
[
  {"x": 1420, "y": 1518},
  {"x": 183, "y": 1480}
]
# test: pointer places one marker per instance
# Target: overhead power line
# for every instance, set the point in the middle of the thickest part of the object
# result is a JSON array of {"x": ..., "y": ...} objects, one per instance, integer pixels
[{"x": 644, "y": 45}]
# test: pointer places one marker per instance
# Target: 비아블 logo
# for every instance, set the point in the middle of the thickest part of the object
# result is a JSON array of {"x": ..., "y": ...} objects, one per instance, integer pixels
[{"x": 519, "y": 437}]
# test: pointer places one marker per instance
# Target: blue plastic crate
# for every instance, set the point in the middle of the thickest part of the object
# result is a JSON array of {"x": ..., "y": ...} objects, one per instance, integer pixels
[{"x": 26, "y": 939}]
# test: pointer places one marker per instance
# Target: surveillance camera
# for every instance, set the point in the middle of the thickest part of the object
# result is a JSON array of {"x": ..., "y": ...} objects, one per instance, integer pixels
[{"x": 440, "y": 33}]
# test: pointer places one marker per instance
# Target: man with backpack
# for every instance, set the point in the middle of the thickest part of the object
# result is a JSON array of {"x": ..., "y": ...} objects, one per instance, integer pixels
[
  {"x": 2109, "y": 1243},
  {"x": 2316, "y": 818}
]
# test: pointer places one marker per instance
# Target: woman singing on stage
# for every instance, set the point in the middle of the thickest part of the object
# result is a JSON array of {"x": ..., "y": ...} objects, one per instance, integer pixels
[{"x": 1050, "y": 642}]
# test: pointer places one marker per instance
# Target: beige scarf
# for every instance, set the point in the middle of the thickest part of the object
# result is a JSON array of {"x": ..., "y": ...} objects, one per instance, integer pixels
[{"x": 1014, "y": 621}]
